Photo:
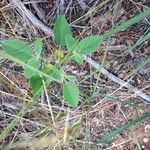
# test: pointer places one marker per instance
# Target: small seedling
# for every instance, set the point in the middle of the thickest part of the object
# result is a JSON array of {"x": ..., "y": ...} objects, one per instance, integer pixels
[{"x": 30, "y": 59}]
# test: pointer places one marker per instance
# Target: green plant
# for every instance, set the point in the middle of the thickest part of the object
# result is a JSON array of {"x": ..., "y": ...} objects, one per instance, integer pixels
[{"x": 30, "y": 59}]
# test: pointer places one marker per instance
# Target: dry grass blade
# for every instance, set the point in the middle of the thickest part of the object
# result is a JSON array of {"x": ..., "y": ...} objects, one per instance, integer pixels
[{"x": 47, "y": 141}]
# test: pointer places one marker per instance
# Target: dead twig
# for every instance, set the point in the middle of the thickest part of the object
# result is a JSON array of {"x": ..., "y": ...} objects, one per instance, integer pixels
[
  {"x": 116, "y": 79},
  {"x": 24, "y": 119},
  {"x": 82, "y": 4},
  {"x": 62, "y": 6},
  {"x": 24, "y": 12},
  {"x": 39, "y": 12}
]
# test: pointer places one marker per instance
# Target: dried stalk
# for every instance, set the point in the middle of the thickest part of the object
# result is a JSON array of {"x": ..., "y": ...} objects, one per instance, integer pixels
[
  {"x": 39, "y": 12},
  {"x": 62, "y": 6},
  {"x": 25, "y": 13},
  {"x": 116, "y": 79},
  {"x": 82, "y": 4},
  {"x": 27, "y": 120}
]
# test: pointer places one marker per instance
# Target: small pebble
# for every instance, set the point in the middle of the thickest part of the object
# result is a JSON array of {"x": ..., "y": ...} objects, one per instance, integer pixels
[{"x": 145, "y": 140}]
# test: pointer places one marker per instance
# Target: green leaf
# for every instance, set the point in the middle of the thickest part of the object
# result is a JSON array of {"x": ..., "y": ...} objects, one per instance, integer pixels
[
  {"x": 77, "y": 58},
  {"x": 71, "y": 94},
  {"x": 37, "y": 83},
  {"x": 89, "y": 45},
  {"x": 57, "y": 74},
  {"x": 38, "y": 47},
  {"x": 18, "y": 49},
  {"x": 61, "y": 29},
  {"x": 34, "y": 63},
  {"x": 71, "y": 42},
  {"x": 71, "y": 77}
]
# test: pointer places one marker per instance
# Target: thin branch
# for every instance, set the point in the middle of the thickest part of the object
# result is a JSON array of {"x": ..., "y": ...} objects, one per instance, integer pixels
[
  {"x": 24, "y": 119},
  {"x": 39, "y": 12},
  {"x": 62, "y": 6},
  {"x": 68, "y": 7},
  {"x": 116, "y": 79},
  {"x": 24, "y": 12},
  {"x": 82, "y": 4}
]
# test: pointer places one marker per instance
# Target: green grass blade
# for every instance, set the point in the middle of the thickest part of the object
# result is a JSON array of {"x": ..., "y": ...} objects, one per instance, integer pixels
[
  {"x": 16, "y": 120},
  {"x": 135, "y": 139},
  {"x": 142, "y": 40},
  {"x": 117, "y": 100},
  {"x": 121, "y": 129},
  {"x": 143, "y": 63},
  {"x": 102, "y": 66},
  {"x": 127, "y": 24}
]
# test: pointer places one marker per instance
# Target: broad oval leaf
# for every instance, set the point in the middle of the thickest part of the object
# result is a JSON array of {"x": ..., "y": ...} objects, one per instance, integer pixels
[
  {"x": 34, "y": 63},
  {"x": 71, "y": 94},
  {"x": 61, "y": 29},
  {"x": 36, "y": 84},
  {"x": 38, "y": 47},
  {"x": 56, "y": 74},
  {"x": 71, "y": 77},
  {"x": 89, "y": 45},
  {"x": 18, "y": 49},
  {"x": 36, "y": 80},
  {"x": 77, "y": 58},
  {"x": 71, "y": 42}
]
